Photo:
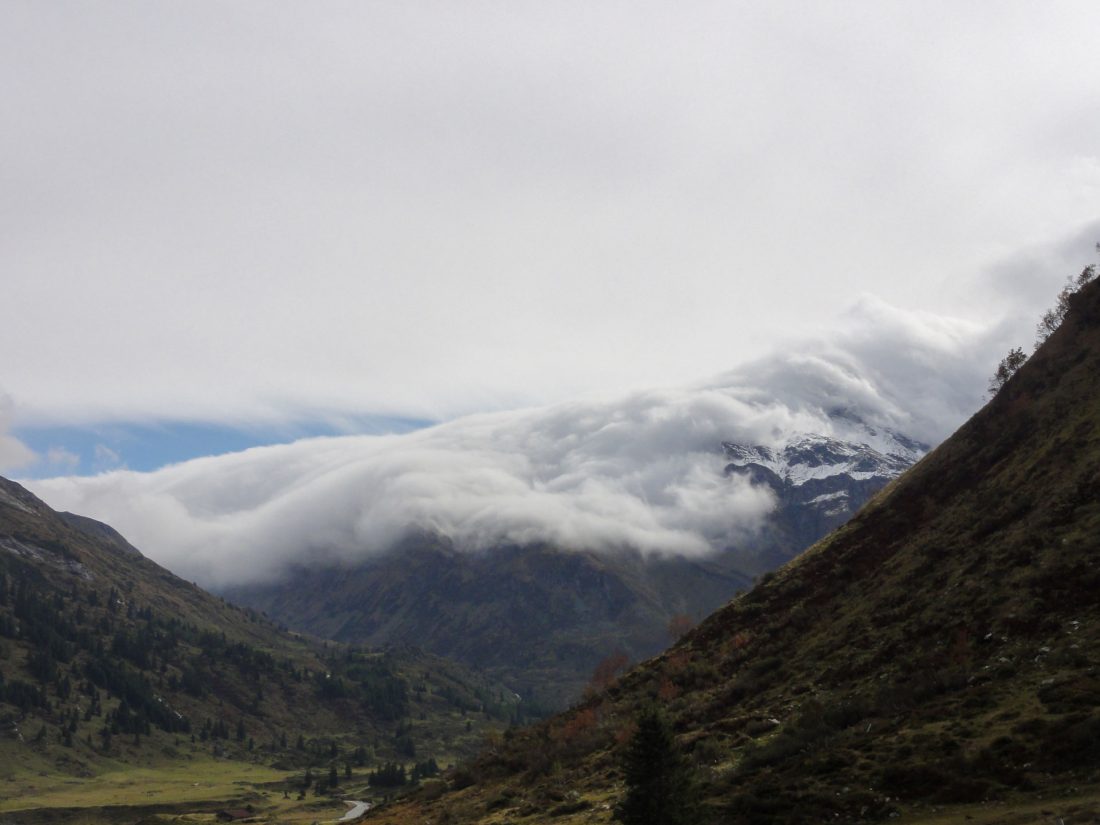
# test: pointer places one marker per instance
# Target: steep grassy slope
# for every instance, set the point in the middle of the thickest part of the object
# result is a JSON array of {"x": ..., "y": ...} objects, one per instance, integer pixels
[
  {"x": 937, "y": 658},
  {"x": 108, "y": 661}
]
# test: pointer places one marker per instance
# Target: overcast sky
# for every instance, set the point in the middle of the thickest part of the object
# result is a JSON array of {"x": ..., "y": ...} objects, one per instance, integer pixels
[{"x": 312, "y": 217}]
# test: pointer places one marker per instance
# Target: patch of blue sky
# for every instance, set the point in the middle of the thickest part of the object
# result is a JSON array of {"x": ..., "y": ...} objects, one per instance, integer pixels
[{"x": 88, "y": 450}]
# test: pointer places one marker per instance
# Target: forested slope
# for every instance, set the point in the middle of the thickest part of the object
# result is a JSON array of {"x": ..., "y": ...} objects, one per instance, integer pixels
[{"x": 107, "y": 659}]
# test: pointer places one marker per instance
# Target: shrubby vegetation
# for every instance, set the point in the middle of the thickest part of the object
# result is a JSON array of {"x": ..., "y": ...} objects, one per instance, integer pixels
[
  {"x": 1006, "y": 369},
  {"x": 393, "y": 774},
  {"x": 1053, "y": 317},
  {"x": 1051, "y": 320}
]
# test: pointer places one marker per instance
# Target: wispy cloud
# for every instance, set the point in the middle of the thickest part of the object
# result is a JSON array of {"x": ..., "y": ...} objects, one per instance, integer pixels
[
  {"x": 60, "y": 459},
  {"x": 104, "y": 458}
]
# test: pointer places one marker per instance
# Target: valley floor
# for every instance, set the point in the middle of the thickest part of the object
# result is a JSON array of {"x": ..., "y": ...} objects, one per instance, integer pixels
[
  {"x": 196, "y": 792},
  {"x": 175, "y": 792}
]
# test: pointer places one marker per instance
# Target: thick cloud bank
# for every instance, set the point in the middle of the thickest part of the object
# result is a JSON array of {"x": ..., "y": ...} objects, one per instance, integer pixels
[{"x": 643, "y": 470}]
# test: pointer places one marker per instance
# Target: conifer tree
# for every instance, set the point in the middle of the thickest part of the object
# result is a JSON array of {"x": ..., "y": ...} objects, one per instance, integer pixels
[{"x": 659, "y": 786}]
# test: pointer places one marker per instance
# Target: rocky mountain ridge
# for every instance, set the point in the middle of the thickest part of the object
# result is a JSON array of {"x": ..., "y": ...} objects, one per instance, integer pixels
[
  {"x": 819, "y": 481},
  {"x": 804, "y": 458}
]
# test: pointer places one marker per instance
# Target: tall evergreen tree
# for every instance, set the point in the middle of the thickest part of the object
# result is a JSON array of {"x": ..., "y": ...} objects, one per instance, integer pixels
[{"x": 659, "y": 783}]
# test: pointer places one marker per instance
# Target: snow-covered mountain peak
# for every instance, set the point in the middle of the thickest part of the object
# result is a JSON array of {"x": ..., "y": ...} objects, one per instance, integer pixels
[{"x": 807, "y": 457}]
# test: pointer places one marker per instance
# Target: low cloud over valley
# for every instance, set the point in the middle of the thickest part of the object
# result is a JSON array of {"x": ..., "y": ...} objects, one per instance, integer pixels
[{"x": 641, "y": 470}]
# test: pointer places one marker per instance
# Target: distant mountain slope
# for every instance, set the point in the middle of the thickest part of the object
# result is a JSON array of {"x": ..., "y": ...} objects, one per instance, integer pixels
[
  {"x": 107, "y": 657},
  {"x": 537, "y": 618},
  {"x": 541, "y": 618},
  {"x": 936, "y": 659}
]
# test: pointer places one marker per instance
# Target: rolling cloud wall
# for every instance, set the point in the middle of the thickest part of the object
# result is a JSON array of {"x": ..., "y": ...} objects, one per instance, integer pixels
[{"x": 641, "y": 470}]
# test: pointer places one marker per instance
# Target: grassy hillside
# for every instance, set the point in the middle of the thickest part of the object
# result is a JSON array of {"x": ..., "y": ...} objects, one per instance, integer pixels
[
  {"x": 110, "y": 664},
  {"x": 937, "y": 659}
]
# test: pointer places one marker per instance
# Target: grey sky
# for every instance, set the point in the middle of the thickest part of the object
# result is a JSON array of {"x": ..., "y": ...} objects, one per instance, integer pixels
[{"x": 245, "y": 211}]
